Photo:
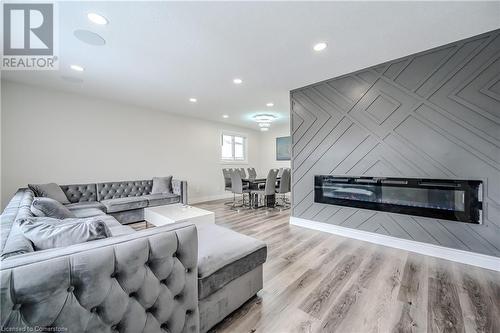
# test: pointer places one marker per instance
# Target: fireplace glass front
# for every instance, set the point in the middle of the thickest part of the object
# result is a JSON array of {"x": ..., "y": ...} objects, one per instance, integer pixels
[{"x": 456, "y": 200}]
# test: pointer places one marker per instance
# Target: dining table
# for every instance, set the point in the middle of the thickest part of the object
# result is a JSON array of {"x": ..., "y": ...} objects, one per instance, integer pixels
[{"x": 253, "y": 184}]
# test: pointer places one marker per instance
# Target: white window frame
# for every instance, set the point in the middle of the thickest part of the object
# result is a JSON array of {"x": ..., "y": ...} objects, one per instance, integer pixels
[{"x": 245, "y": 148}]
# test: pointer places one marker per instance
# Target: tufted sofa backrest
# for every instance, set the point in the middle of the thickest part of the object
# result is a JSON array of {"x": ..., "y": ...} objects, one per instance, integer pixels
[
  {"x": 133, "y": 188},
  {"x": 143, "y": 282},
  {"x": 80, "y": 192}
]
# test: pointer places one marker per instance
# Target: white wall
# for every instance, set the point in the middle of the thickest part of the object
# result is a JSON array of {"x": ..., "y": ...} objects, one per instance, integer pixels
[
  {"x": 51, "y": 136},
  {"x": 268, "y": 148}
]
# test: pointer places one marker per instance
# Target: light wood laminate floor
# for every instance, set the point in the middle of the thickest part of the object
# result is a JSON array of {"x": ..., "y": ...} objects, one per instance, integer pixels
[{"x": 318, "y": 282}]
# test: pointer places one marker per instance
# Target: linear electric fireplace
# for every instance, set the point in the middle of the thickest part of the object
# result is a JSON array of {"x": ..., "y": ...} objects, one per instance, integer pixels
[{"x": 457, "y": 200}]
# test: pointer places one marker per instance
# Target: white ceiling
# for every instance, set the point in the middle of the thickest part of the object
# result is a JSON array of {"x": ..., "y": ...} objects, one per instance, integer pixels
[{"x": 159, "y": 54}]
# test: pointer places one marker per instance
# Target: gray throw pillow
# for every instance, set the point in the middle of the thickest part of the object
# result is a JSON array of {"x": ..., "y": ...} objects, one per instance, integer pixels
[
  {"x": 47, "y": 207},
  {"x": 51, "y": 190},
  {"x": 47, "y": 233},
  {"x": 162, "y": 185}
]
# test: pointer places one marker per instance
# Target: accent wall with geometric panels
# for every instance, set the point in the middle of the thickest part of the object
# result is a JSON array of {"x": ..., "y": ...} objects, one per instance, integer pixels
[{"x": 435, "y": 114}]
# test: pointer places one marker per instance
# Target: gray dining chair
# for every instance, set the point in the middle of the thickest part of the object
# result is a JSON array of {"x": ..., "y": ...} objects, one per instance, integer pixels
[
  {"x": 237, "y": 187},
  {"x": 284, "y": 188},
  {"x": 227, "y": 179},
  {"x": 227, "y": 184},
  {"x": 280, "y": 172},
  {"x": 242, "y": 173},
  {"x": 269, "y": 187},
  {"x": 252, "y": 174}
]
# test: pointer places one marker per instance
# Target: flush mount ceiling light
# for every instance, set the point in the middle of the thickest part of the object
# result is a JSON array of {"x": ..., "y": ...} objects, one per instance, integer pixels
[
  {"x": 225, "y": 116},
  {"x": 320, "y": 46},
  {"x": 264, "y": 129},
  {"x": 77, "y": 68},
  {"x": 264, "y": 118},
  {"x": 270, "y": 104},
  {"x": 97, "y": 19},
  {"x": 237, "y": 81},
  {"x": 89, "y": 37},
  {"x": 264, "y": 124},
  {"x": 193, "y": 100}
]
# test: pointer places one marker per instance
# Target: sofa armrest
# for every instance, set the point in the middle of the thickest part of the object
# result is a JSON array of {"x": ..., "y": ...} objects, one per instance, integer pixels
[
  {"x": 180, "y": 188},
  {"x": 137, "y": 282}
]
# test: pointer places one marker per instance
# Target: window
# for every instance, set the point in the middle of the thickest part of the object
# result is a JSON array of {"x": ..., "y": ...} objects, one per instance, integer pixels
[{"x": 234, "y": 147}]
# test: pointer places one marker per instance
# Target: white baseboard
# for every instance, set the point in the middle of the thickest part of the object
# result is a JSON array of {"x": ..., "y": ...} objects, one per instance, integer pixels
[
  {"x": 210, "y": 198},
  {"x": 464, "y": 257}
]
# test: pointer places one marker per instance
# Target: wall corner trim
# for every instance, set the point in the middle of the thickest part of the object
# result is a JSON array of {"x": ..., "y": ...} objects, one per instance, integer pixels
[{"x": 464, "y": 257}]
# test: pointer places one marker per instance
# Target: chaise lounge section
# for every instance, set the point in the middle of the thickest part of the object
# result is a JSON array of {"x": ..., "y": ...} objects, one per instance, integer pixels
[{"x": 229, "y": 272}]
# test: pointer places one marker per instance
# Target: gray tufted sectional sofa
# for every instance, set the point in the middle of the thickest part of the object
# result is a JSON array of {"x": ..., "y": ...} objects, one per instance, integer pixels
[
  {"x": 144, "y": 281},
  {"x": 175, "y": 278},
  {"x": 123, "y": 200}
]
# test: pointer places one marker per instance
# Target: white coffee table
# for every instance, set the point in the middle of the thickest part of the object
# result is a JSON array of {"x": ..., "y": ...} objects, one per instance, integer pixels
[{"x": 167, "y": 214}]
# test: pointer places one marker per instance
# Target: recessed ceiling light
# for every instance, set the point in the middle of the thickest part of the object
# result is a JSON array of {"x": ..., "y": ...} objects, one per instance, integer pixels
[
  {"x": 320, "y": 46},
  {"x": 193, "y": 100},
  {"x": 225, "y": 116},
  {"x": 97, "y": 19},
  {"x": 237, "y": 81},
  {"x": 270, "y": 105},
  {"x": 77, "y": 68},
  {"x": 264, "y": 118},
  {"x": 89, "y": 37},
  {"x": 264, "y": 129},
  {"x": 264, "y": 124}
]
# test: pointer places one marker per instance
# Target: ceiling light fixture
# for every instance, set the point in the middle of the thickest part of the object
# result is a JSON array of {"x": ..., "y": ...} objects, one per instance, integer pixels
[
  {"x": 225, "y": 116},
  {"x": 264, "y": 129},
  {"x": 97, "y": 19},
  {"x": 89, "y": 37},
  {"x": 264, "y": 118},
  {"x": 193, "y": 100},
  {"x": 270, "y": 104},
  {"x": 237, "y": 81},
  {"x": 77, "y": 68},
  {"x": 264, "y": 124},
  {"x": 320, "y": 46}
]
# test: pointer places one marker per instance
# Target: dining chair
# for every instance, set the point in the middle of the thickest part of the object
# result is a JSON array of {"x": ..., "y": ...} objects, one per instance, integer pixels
[
  {"x": 227, "y": 184},
  {"x": 227, "y": 179},
  {"x": 237, "y": 187},
  {"x": 252, "y": 174},
  {"x": 242, "y": 172},
  {"x": 270, "y": 185},
  {"x": 284, "y": 187},
  {"x": 280, "y": 172}
]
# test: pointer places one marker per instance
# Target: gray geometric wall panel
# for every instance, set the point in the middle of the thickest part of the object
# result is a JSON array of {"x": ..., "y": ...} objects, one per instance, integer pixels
[{"x": 434, "y": 114}]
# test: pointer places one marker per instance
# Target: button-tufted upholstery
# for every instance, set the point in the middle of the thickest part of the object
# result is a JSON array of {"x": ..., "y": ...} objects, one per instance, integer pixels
[
  {"x": 114, "y": 190},
  {"x": 143, "y": 282},
  {"x": 80, "y": 192},
  {"x": 179, "y": 187},
  {"x": 125, "y": 200}
]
